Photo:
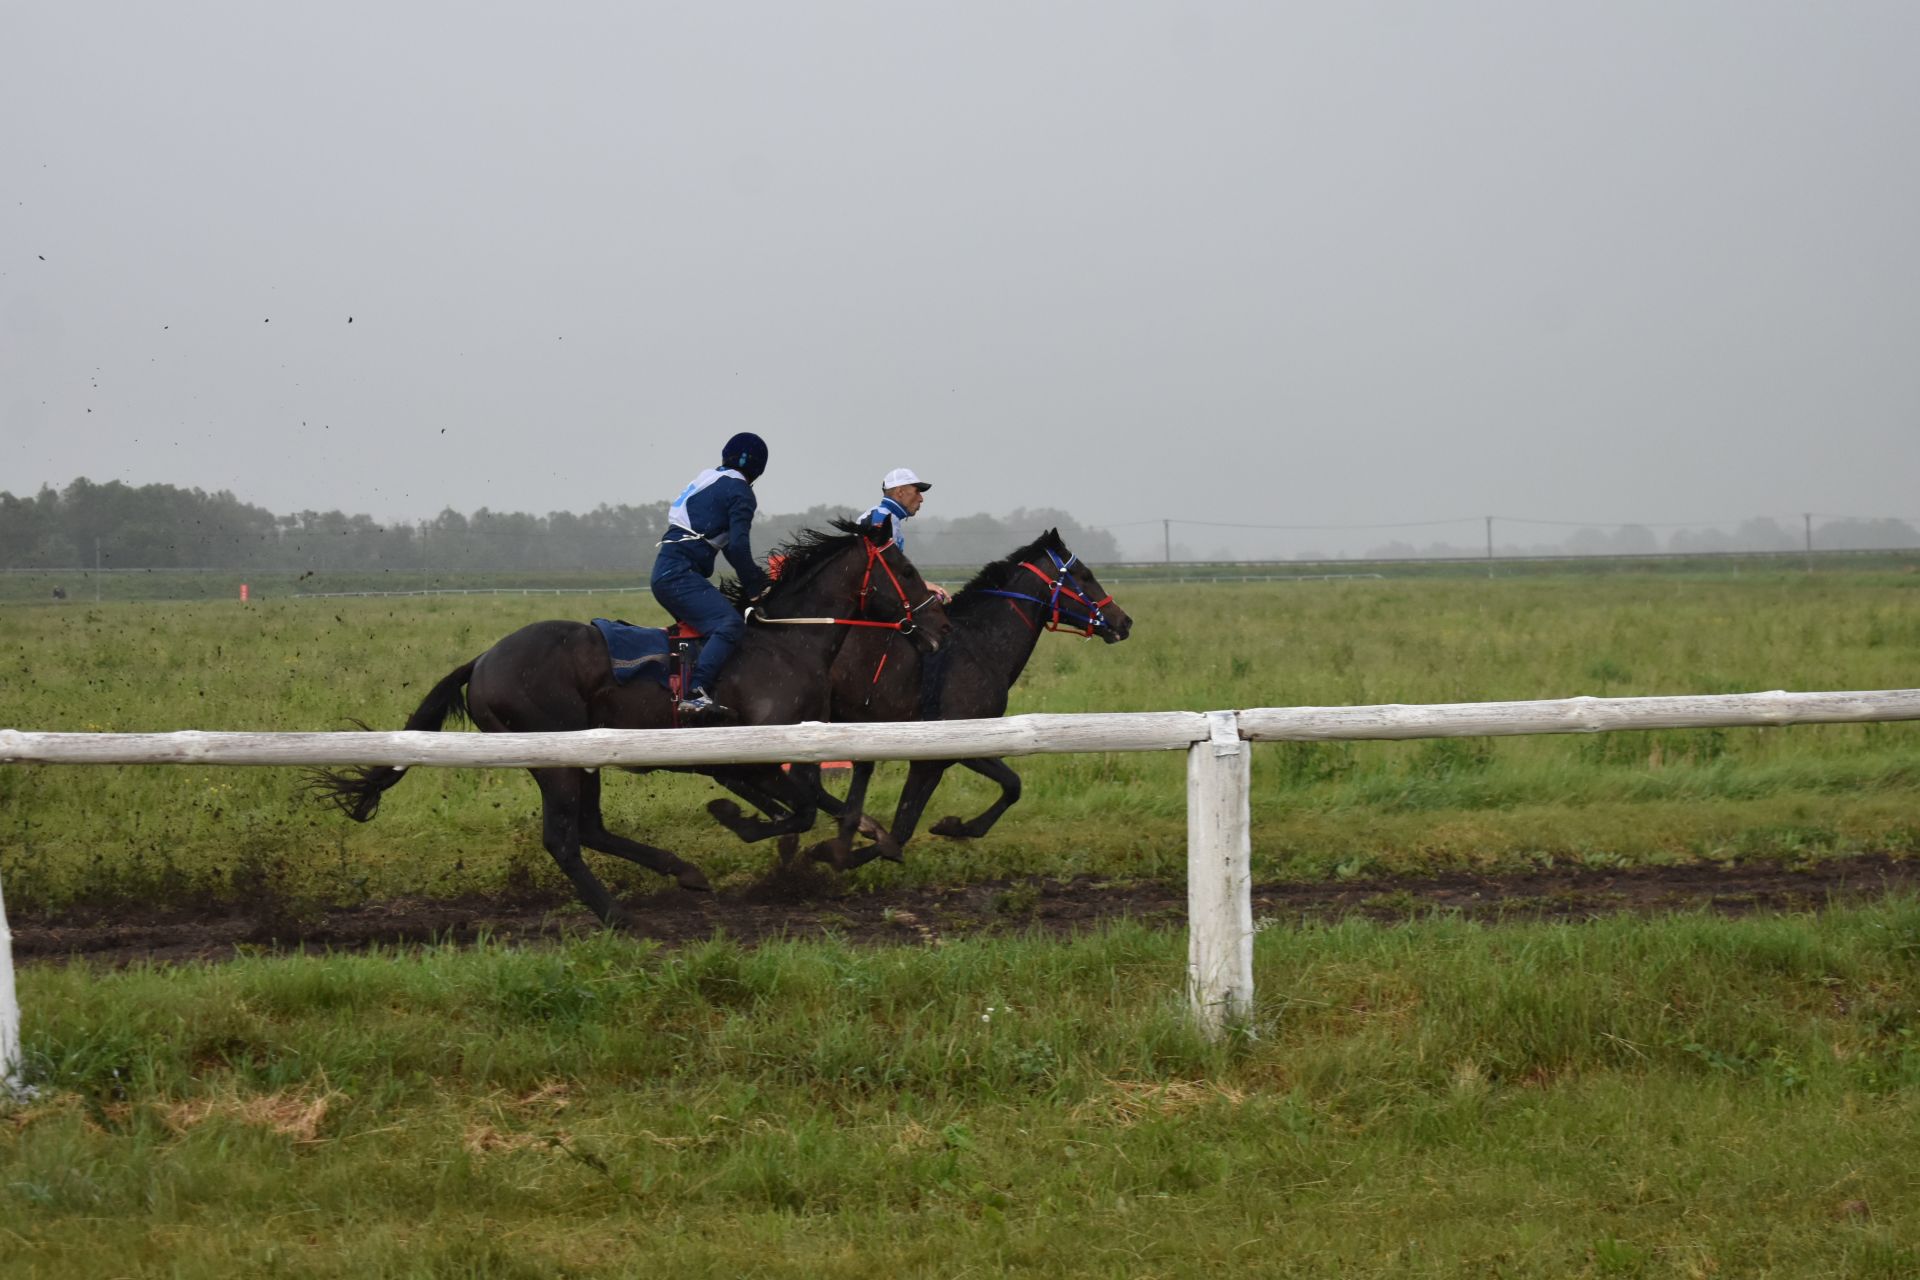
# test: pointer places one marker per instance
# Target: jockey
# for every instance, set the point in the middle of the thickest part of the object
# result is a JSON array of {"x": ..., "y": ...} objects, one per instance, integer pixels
[
  {"x": 901, "y": 493},
  {"x": 713, "y": 514}
]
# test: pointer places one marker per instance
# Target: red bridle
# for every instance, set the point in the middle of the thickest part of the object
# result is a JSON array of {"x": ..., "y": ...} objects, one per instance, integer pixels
[{"x": 875, "y": 556}]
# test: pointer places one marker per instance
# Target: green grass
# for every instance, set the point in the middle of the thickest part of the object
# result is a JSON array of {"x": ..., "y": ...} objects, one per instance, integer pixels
[
  {"x": 36, "y": 586},
  {"x": 1684, "y": 1097},
  {"x": 108, "y": 834}
]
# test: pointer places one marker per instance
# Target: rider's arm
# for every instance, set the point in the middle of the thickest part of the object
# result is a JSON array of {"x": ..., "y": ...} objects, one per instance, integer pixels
[{"x": 740, "y": 509}]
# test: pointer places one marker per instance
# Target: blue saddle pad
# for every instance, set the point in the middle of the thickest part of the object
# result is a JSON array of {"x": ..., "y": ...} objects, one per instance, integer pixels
[{"x": 635, "y": 650}]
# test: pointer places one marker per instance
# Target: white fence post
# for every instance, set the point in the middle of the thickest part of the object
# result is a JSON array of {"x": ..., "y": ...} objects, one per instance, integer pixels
[
  {"x": 1219, "y": 877},
  {"x": 11, "y": 1084}
]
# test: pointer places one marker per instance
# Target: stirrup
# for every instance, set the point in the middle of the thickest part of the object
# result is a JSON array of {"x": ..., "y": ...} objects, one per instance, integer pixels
[{"x": 699, "y": 703}]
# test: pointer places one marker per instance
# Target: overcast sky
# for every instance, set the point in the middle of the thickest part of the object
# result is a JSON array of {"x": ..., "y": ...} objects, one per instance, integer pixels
[{"x": 1342, "y": 263}]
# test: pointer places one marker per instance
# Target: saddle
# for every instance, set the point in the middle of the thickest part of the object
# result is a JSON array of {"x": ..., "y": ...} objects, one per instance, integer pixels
[{"x": 665, "y": 655}]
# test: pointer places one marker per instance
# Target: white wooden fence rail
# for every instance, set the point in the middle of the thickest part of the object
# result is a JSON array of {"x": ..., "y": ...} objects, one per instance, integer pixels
[{"x": 1220, "y": 950}]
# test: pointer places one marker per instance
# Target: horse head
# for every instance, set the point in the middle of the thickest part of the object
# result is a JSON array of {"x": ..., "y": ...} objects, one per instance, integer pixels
[
  {"x": 892, "y": 590},
  {"x": 858, "y": 575},
  {"x": 1069, "y": 595}
]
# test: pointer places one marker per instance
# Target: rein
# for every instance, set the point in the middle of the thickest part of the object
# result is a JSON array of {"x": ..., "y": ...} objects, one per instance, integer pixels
[
  {"x": 875, "y": 555},
  {"x": 1050, "y": 609}
]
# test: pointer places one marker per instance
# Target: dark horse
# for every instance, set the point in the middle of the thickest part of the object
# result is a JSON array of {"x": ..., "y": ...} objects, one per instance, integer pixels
[
  {"x": 997, "y": 619},
  {"x": 553, "y": 676}
]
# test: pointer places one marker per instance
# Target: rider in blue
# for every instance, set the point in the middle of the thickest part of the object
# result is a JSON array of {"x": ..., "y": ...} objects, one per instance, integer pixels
[
  {"x": 713, "y": 514},
  {"x": 901, "y": 493},
  {"x": 900, "y": 498}
]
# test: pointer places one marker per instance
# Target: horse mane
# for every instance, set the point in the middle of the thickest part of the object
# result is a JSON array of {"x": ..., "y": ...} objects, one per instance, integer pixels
[
  {"x": 805, "y": 553},
  {"x": 996, "y": 576}
]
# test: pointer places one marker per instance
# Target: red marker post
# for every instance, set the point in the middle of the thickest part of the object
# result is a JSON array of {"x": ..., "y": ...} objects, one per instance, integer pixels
[{"x": 243, "y": 593}]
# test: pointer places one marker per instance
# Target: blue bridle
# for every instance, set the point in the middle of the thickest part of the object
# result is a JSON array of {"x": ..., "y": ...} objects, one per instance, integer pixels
[{"x": 1057, "y": 586}]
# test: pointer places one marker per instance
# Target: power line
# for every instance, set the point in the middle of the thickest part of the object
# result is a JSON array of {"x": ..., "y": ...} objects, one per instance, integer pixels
[
  {"x": 1639, "y": 524},
  {"x": 1229, "y": 524},
  {"x": 1570, "y": 524}
]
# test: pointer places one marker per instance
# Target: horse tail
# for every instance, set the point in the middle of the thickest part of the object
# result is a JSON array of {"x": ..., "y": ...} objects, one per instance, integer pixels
[{"x": 356, "y": 792}]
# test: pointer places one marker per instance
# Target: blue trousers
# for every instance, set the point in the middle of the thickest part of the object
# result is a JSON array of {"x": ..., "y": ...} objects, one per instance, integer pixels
[{"x": 686, "y": 594}]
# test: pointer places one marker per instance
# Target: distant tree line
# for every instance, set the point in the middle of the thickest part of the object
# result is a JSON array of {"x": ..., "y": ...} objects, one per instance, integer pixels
[{"x": 161, "y": 526}]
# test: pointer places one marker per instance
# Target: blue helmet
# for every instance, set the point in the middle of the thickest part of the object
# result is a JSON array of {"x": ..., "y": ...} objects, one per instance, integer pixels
[{"x": 745, "y": 453}]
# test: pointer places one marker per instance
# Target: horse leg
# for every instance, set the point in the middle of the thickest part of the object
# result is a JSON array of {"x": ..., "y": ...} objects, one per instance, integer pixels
[
  {"x": 788, "y": 801},
  {"x": 732, "y": 816},
  {"x": 796, "y": 795},
  {"x": 594, "y": 835},
  {"x": 829, "y": 803},
  {"x": 784, "y": 814},
  {"x": 922, "y": 777},
  {"x": 833, "y": 806},
  {"x": 840, "y": 850},
  {"x": 884, "y": 845},
  {"x": 560, "y": 791},
  {"x": 996, "y": 770}
]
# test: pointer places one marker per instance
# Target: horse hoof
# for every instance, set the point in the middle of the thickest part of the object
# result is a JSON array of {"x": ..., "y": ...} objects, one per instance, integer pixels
[
  {"x": 789, "y": 848},
  {"x": 871, "y": 829},
  {"x": 952, "y": 828},
  {"x": 860, "y": 857},
  {"x": 694, "y": 879},
  {"x": 725, "y": 810},
  {"x": 883, "y": 846}
]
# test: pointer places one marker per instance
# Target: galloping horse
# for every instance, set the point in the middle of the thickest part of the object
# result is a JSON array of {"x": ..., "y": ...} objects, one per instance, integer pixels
[
  {"x": 553, "y": 676},
  {"x": 997, "y": 618}
]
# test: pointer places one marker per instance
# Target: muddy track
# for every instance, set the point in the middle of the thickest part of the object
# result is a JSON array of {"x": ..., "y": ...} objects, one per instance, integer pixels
[{"x": 812, "y": 905}]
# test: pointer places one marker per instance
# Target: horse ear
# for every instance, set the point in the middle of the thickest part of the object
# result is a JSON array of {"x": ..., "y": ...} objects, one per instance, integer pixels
[{"x": 882, "y": 532}]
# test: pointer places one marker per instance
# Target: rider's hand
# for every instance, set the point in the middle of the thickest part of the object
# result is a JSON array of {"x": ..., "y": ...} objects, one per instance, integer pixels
[{"x": 941, "y": 594}]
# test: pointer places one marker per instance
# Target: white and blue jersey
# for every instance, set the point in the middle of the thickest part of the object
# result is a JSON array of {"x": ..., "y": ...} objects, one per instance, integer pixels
[
  {"x": 712, "y": 515},
  {"x": 888, "y": 509}
]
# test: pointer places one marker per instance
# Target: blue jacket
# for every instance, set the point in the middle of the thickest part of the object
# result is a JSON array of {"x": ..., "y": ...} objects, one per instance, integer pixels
[
  {"x": 711, "y": 515},
  {"x": 900, "y": 515}
]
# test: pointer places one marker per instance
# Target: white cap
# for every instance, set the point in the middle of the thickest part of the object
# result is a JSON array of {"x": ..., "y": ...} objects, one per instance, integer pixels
[{"x": 899, "y": 476}]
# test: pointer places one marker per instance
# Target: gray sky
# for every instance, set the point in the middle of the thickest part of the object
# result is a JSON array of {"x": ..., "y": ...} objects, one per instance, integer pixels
[{"x": 1340, "y": 263}]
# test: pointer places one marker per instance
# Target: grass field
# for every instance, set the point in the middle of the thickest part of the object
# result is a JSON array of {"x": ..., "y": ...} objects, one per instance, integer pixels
[
  {"x": 1690, "y": 1097},
  {"x": 1687, "y": 1096},
  {"x": 36, "y": 586},
  {"x": 71, "y": 835}
]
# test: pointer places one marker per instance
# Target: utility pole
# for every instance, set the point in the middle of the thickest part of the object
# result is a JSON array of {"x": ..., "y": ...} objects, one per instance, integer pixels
[
  {"x": 1489, "y": 546},
  {"x": 1807, "y": 517},
  {"x": 1166, "y": 536},
  {"x": 96, "y": 571}
]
